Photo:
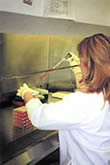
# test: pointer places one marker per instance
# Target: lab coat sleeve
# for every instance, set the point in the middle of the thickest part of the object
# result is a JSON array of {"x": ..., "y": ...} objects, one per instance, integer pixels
[{"x": 54, "y": 116}]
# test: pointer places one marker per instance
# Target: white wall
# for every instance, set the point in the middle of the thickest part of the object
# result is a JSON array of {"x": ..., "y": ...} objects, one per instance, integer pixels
[{"x": 93, "y": 11}]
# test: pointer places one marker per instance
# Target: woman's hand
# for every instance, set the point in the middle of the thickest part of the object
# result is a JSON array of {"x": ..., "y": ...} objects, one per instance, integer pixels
[
  {"x": 74, "y": 60},
  {"x": 25, "y": 88}
]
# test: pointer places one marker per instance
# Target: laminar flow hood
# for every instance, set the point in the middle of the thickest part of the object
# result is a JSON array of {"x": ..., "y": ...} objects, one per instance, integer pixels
[{"x": 55, "y": 16}]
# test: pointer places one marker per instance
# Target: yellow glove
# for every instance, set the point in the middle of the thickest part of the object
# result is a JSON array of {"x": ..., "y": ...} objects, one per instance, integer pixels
[
  {"x": 74, "y": 60},
  {"x": 25, "y": 88}
]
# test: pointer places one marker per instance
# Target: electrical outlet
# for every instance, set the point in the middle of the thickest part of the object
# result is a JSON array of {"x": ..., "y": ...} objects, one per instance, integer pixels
[{"x": 29, "y": 2}]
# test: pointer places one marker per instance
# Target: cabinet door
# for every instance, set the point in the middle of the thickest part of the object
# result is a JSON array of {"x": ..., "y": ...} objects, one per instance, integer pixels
[{"x": 18, "y": 6}]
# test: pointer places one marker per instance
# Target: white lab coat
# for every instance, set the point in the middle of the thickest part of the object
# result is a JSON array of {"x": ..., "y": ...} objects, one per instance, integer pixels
[{"x": 83, "y": 123}]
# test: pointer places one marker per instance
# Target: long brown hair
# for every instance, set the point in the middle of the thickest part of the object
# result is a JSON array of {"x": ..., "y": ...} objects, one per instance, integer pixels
[{"x": 94, "y": 53}]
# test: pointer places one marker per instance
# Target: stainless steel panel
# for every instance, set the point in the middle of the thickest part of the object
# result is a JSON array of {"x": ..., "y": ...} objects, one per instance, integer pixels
[
  {"x": 36, "y": 153},
  {"x": 1, "y": 59},
  {"x": 59, "y": 46},
  {"x": 23, "y": 54}
]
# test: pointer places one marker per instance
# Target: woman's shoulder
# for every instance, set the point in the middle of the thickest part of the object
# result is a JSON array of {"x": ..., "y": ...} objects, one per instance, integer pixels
[
  {"x": 78, "y": 94},
  {"x": 88, "y": 98},
  {"x": 84, "y": 94}
]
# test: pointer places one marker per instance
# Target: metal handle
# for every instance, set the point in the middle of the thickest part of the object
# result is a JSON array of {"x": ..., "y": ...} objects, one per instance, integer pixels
[{"x": 34, "y": 73}]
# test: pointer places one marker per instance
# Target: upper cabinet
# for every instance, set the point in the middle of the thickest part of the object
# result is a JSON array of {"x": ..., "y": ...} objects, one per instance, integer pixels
[{"x": 85, "y": 11}]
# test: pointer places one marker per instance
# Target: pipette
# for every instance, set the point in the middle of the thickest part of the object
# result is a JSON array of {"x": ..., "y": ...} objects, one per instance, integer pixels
[
  {"x": 69, "y": 55},
  {"x": 47, "y": 71}
]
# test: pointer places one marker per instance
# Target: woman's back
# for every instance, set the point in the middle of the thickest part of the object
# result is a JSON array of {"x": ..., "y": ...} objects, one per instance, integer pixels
[{"x": 88, "y": 142}]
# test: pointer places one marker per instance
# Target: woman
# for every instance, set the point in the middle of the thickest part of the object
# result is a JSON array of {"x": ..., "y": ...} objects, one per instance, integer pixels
[{"x": 81, "y": 118}]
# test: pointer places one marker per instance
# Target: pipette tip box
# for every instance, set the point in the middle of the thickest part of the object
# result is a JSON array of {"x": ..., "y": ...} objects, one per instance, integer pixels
[{"x": 20, "y": 118}]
